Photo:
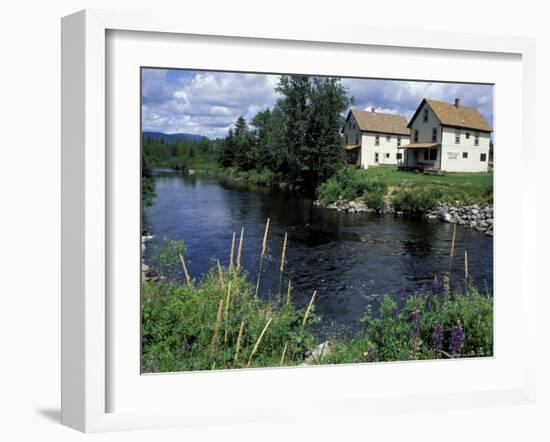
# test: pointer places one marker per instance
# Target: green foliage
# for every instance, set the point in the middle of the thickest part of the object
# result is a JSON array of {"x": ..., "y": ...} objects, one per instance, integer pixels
[
  {"x": 351, "y": 183},
  {"x": 418, "y": 201},
  {"x": 422, "y": 328},
  {"x": 181, "y": 155},
  {"x": 329, "y": 191},
  {"x": 148, "y": 192},
  {"x": 375, "y": 200},
  {"x": 467, "y": 188},
  {"x": 169, "y": 256},
  {"x": 179, "y": 326}
]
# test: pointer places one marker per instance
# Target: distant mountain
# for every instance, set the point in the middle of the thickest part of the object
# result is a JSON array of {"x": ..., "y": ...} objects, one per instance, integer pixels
[{"x": 170, "y": 138}]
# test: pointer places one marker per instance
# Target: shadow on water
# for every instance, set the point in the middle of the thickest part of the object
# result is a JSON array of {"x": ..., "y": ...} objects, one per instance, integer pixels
[{"x": 351, "y": 259}]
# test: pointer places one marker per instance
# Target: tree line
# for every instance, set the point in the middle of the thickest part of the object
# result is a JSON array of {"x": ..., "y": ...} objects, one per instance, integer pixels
[{"x": 299, "y": 139}]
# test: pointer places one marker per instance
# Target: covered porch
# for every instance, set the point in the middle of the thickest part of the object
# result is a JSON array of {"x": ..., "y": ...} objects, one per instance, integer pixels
[
  {"x": 425, "y": 157},
  {"x": 353, "y": 154}
]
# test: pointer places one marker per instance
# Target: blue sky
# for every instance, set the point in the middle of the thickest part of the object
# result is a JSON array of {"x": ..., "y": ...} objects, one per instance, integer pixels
[{"x": 208, "y": 103}]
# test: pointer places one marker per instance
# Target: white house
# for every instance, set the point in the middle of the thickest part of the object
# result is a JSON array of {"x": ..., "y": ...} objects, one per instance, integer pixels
[
  {"x": 373, "y": 138},
  {"x": 447, "y": 137}
]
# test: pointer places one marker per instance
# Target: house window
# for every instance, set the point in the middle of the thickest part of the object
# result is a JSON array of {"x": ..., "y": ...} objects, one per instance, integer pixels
[
  {"x": 388, "y": 138},
  {"x": 399, "y": 155},
  {"x": 376, "y": 157},
  {"x": 398, "y": 141},
  {"x": 425, "y": 117},
  {"x": 483, "y": 157},
  {"x": 387, "y": 155},
  {"x": 465, "y": 155},
  {"x": 416, "y": 135},
  {"x": 416, "y": 154},
  {"x": 354, "y": 124},
  {"x": 434, "y": 134},
  {"x": 433, "y": 154},
  {"x": 467, "y": 135},
  {"x": 377, "y": 140},
  {"x": 476, "y": 139},
  {"x": 457, "y": 136}
]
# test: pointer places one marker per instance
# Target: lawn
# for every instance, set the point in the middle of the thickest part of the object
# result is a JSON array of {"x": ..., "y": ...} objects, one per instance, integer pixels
[{"x": 464, "y": 187}]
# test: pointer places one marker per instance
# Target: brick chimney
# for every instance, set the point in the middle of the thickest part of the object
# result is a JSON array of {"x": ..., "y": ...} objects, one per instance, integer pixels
[{"x": 457, "y": 102}]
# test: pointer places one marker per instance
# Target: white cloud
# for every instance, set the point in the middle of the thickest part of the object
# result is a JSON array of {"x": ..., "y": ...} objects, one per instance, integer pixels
[
  {"x": 205, "y": 103},
  {"x": 208, "y": 103}
]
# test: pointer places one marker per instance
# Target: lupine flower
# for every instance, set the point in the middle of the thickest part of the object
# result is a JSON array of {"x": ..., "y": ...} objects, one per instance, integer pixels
[
  {"x": 438, "y": 335},
  {"x": 416, "y": 315},
  {"x": 394, "y": 311},
  {"x": 437, "y": 288},
  {"x": 457, "y": 339},
  {"x": 405, "y": 295}
]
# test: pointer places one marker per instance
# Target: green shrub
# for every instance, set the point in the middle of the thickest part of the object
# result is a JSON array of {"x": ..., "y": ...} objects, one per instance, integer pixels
[
  {"x": 349, "y": 183},
  {"x": 427, "y": 326},
  {"x": 417, "y": 202},
  {"x": 179, "y": 326},
  {"x": 374, "y": 200},
  {"x": 329, "y": 191}
]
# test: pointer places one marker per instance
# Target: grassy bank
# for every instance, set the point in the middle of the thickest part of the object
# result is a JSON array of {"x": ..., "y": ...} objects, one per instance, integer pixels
[
  {"x": 222, "y": 321},
  {"x": 410, "y": 192}
]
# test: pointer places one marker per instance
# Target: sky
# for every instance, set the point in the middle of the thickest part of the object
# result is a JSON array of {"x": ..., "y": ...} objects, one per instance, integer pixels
[{"x": 209, "y": 103}]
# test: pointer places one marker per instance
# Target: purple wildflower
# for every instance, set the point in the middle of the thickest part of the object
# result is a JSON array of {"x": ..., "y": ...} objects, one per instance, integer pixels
[
  {"x": 437, "y": 288},
  {"x": 438, "y": 335},
  {"x": 394, "y": 311},
  {"x": 405, "y": 295},
  {"x": 457, "y": 339},
  {"x": 416, "y": 315}
]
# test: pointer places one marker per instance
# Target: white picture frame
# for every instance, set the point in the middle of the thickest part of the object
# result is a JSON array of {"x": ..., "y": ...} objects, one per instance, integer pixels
[{"x": 87, "y": 204}]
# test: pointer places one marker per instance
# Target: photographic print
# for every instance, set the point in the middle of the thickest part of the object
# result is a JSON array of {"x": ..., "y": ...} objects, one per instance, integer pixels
[{"x": 302, "y": 220}]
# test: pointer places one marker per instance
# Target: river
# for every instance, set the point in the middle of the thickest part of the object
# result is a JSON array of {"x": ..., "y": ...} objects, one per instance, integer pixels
[{"x": 351, "y": 259}]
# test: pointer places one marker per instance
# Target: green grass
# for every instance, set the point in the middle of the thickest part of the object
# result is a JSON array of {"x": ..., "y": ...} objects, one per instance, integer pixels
[
  {"x": 464, "y": 187},
  {"x": 351, "y": 183}
]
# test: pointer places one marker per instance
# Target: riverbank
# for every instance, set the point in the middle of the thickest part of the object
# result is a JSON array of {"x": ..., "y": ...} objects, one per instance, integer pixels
[
  {"x": 464, "y": 199},
  {"x": 220, "y": 321}
]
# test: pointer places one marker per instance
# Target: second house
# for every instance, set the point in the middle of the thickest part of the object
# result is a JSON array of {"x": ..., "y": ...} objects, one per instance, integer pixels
[{"x": 373, "y": 138}]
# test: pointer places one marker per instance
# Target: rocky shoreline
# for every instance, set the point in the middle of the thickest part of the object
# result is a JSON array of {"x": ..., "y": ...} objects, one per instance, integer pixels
[{"x": 472, "y": 216}]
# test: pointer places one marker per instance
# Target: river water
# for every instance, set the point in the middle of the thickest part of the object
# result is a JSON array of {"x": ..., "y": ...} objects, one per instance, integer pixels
[{"x": 351, "y": 259}]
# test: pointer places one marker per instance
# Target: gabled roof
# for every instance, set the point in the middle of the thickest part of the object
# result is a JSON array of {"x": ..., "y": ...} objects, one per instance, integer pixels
[
  {"x": 451, "y": 115},
  {"x": 378, "y": 122}
]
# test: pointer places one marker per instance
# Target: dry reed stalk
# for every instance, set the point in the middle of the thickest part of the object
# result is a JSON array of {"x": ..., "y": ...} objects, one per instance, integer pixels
[
  {"x": 282, "y": 266},
  {"x": 217, "y": 330},
  {"x": 264, "y": 242},
  {"x": 226, "y": 315},
  {"x": 465, "y": 264},
  {"x": 255, "y": 349},
  {"x": 220, "y": 274},
  {"x": 186, "y": 273},
  {"x": 239, "y": 252},
  {"x": 288, "y": 292},
  {"x": 236, "y": 358},
  {"x": 282, "y": 361},
  {"x": 452, "y": 254},
  {"x": 309, "y": 306},
  {"x": 264, "y": 246},
  {"x": 231, "y": 268},
  {"x": 453, "y": 241}
]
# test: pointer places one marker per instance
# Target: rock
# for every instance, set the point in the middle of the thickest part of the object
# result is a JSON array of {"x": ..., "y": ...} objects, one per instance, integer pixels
[
  {"x": 316, "y": 355},
  {"x": 447, "y": 217},
  {"x": 352, "y": 205}
]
